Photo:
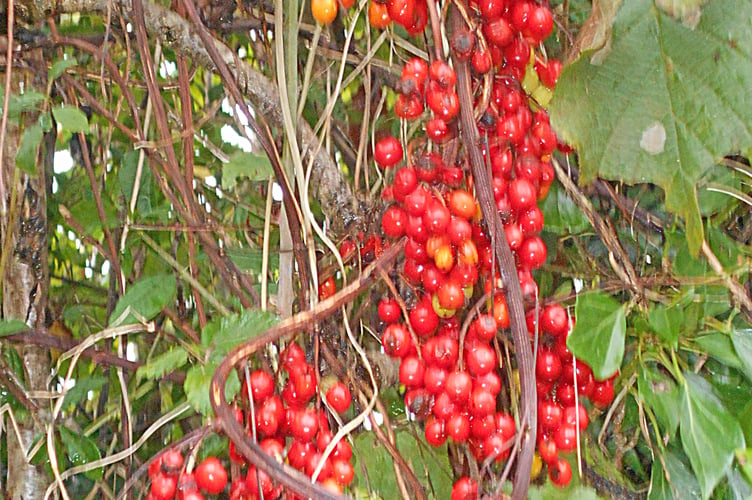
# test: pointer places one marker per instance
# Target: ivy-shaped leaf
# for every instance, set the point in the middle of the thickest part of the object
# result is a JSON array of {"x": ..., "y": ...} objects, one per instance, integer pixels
[
  {"x": 146, "y": 297},
  {"x": 197, "y": 383},
  {"x": 709, "y": 433},
  {"x": 670, "y": 99},
  {"x": 81, "y": 450},
  {"x": 166, "y": 362},
  {"x": 71, "y": 119},
  {"x": 599, "y": 334}
]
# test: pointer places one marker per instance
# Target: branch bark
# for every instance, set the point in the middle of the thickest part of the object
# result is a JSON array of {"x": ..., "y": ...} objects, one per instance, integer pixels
[
  {"x": 328, "y": 185},
  {"x": 25, "y": 279}
]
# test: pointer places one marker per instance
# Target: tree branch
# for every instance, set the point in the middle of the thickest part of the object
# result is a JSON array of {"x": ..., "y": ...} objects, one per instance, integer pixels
[{"x": 328, "y": 185}]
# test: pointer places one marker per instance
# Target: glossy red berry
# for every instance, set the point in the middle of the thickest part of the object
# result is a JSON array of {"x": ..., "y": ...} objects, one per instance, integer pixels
[
  {"x": 339, "y": 398},
  {"x": 388, "y": 152},
  {"x": 211, "y": 476}
]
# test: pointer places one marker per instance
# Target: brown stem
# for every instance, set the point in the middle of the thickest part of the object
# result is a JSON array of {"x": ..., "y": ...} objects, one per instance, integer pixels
[
  {"x": 45, "y": 339},
  {"x": 264, "y": 137},
  {"x": 505, "y": 259}
]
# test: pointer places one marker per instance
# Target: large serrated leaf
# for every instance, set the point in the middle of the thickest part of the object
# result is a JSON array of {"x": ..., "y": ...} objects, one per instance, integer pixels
[
  {"x": 599, "y": 334},
  {"x": 671, "y": 98},
  {"x": 146, "y": 297},
  {"x": 196, "y": 386},
  {"x": 225, "y": 333},
  {"x": 709, "y": 433}
]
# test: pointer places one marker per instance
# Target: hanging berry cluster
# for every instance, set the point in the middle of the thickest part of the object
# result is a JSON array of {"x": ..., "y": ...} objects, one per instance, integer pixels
[
  {"x": 286, "y": 425},
  {"x": 449, "y": 353}
]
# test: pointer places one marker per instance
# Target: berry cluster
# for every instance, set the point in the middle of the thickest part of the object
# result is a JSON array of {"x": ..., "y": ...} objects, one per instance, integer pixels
[
  {"x": 287, "y": 425},
  {"x": 450, "y": 363},
  {"x": 169, "y": 480},
  {"x": 563, "y": 384}
]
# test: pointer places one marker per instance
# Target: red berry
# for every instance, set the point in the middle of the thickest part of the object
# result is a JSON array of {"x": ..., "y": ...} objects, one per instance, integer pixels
[
  {"x": 261, "y": 385},
  {"x": 339, "y": 398},
  {"x": 389, "y": 310},
  {"x": 434, "y": 432},
  {"x": 480, "y": 359},
  {"x": 560, "y": 472},
  {"x": 394, "y": 221},
  {"x": 164, "y": 486},
  {"x": 211, "y": 476},
  {"x": 172, "y": 462},
  {"x": 305, "y": 424},
  {"x": 465, "y": 489},
  {"x": 458, "y": 386},
  {"x": 458, "y": 427},
  {"x": 603, "y": 393},
  {"x": 396, "y": 340},
  {"x": 388, "y": 152},
  {"x": 411, "y": 372}
]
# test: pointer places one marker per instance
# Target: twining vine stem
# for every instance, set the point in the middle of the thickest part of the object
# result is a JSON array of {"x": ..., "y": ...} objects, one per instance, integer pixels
[{"x": 505, "y": 259}]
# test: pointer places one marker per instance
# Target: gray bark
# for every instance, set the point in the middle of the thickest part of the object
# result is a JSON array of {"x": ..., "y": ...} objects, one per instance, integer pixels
[{"x": 25, "y": 285}]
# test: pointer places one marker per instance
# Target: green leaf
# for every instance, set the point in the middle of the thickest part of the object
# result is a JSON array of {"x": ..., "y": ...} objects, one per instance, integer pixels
[
  {"x": 683, "y": 484},
  {"x": 709, "y": 433},
  {"x": 666, "y": 323},
  {"x": 225, "y": 333},
  {"x": 166, "y": 362},
  {"x": 668, "y": 100},
  {"x": 59, "y": 67},
  {"x": 599, "y": 334},
  {"x": 81, "y": 450},
  {"x": 196, "y": 387},
  {"x": 11, "y": 326},
  {"x": 742, "y": 340},
  {"x": 26, "y": 155},
  {"x": 428, "y": 464},
  {"x": 242, "y": 164},
  {"x": 147, "y": 297},
  {"x": 659, "y": 392},
  {"x": 720, "y": 346},
  {"x": 71, "y": 119},
  {"x": 81, "y": 390},
  {"x": 561, "y": 214},
  {"x": 21, "y": 103},
  {"x": 570, "y": 492}
]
